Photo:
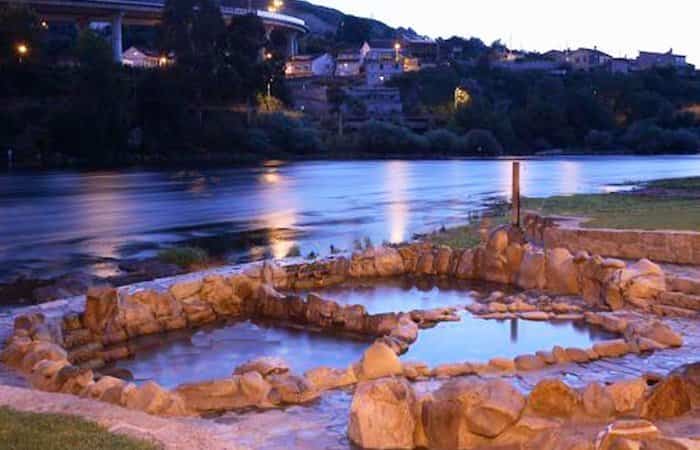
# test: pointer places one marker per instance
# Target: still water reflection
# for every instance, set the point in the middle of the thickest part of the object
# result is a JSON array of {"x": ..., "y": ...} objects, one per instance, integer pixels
[{"x": 56, "y": 222}]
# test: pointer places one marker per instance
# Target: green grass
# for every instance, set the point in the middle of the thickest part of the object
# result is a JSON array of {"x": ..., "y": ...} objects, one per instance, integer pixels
[
  {"x": 672, "y": 204},
  {"x": 466, "y": 236},
  {"x": 28, "y": 431},
  {"x": 185, "y": 257}
]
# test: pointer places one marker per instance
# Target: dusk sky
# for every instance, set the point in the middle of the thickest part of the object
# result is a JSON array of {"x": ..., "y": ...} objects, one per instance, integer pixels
[{"x": 618, "y": 27}]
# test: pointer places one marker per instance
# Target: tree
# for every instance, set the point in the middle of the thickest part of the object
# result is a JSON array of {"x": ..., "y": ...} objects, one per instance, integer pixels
[
  {"x": 92, "y": 50},
  {"x": 19, "y": 26}
]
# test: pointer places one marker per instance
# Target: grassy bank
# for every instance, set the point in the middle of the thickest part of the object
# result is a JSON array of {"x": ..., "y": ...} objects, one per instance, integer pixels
[
  {"x": 670, "y": 204},
  {"x": 667, "y": 204},
  {"x": 27, "y": 431}
]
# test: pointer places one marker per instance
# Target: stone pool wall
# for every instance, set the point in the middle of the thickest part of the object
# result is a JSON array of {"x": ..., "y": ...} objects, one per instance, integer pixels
[
  {"x": 66, "y": 354},
  {"x": 677, "y": 247},
  {"x": 465, "y": 414}
]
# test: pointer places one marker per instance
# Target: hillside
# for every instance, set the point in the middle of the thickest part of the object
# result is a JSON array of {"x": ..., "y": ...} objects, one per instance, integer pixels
[{"x": 320, "y": 19}]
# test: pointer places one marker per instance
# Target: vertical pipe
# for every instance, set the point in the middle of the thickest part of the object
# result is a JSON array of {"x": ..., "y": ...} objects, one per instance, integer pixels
[{"x": 516, "y": 194}]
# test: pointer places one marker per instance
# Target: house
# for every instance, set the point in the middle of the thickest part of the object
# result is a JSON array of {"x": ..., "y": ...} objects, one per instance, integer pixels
[
  {"x": 382, "y": 60},
  {"x": 621, "y": 65},
  {"x": 348, "y": 64},
  {"x": 309, "y": 66},
  {"x": 587, "y": 58},
  {"x": 580, "y": 59},
  {"x": 422, "y": 48},
  {"x": 650, "y": 60},
  {"x": 143, "y": 58}
]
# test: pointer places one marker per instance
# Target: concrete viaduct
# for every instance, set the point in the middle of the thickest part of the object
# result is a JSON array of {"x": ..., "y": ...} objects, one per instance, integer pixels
[{"x": 149, "y": 12}]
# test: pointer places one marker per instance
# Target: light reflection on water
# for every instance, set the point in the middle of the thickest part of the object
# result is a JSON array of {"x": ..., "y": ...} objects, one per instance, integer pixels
[{"x": 60, "y": 221}]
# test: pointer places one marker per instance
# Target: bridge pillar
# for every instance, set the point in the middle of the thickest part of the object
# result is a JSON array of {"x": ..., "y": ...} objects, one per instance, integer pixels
[
  {"x": 117, "y": 37},
  {"x": 293, "y": 44}
]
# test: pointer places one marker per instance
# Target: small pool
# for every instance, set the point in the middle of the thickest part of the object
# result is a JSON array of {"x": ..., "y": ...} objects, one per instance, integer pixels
[
  {"x": 403, "y": 294},
  {"x": 478, "y": 340},
  {"x": 213, "y": 352}
]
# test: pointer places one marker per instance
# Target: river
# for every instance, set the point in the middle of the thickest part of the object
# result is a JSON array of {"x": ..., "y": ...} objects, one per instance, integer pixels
[{"x": 56, "y": 222}]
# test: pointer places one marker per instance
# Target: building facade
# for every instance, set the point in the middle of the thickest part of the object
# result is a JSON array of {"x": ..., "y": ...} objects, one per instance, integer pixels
[{"x": 301, "y": 66}]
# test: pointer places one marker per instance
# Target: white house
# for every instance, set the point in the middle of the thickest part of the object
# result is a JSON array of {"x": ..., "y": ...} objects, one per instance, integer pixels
[
  {"x": 137, "y": 57},
  {"x": 309, "y": 66},
  {"x": 382, "y": 61},
  {"x": 348, "y": 64}
]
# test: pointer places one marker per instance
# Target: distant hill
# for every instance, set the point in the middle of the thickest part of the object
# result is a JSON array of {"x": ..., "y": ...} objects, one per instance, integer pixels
[{"x": 320, "y": 19}]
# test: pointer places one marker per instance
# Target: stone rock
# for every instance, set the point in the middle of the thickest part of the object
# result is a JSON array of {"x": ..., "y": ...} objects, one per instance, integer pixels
[
  {"x": 597, "y": 401},
  {"x": 462, "y": 413},
  {"x": 643, "y": 280},
  {"x": 15, "y": 351},
  {"x": 466, "y": 267},
  {"x": 74, "y": 380},
  {"x": 497, "y": 307},
  {"x": 406, "y": 330},
  {"x": 186, "y": 289},
  {"x": 379, "y": 361},
  {"x": 657, "y": 331},
  {"x": 627, "y": 430},
  {"x": 219, "y": 294},
  {"x": 536, "y": 316},
  {"x": 561, "y": 272},
  {"x": 553, "y": 398},
  {"x": 531, "y": 274},
  {"x": 577, "y": 355},
  {"x": 667, "y": 399},
  {"x": 529, "y": 362},
  {"x": 265, "y": 366},
  {"x": 388, "y": 262},
  {"x": 254, "y": 387},
  {"x": 320, "y": 311},
  {"x": 559, "y": 354},
  {"x": 325, "y": 378},
  {"x": 426, "y": 263},
  {"x": 198, "y": 312},
  {"x": 43, "y": 376},
  {"x": 627, "y": 394},
  {"x": 362, "y": 264},
  {"x": 39, "y": 351},
  {"x": 611, "y": 349},
  {"x": 382, "y": 415},
  {"x": 107, "y": 389},
  {"x": 409, "y": 256},
  {"x": 414, "y": 370},
  {"x": 502, "y": 364},
  {"x": 290, "y": 389},
  {"x": 690, "y": 374},
  {"x": 161, "y": 304},
  {"x": 100, "y": 307},
  {"x": 153, "y": 399},
  {"x": 443, "y": 260},
  {"x": 219, "y": 395}
]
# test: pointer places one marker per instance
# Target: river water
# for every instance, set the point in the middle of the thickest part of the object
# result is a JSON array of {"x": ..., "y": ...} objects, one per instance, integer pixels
[{"x": 56, "y": 222}]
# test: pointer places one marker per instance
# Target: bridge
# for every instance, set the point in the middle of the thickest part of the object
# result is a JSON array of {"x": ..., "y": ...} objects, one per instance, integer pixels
[{"x": 150, "y": 12}]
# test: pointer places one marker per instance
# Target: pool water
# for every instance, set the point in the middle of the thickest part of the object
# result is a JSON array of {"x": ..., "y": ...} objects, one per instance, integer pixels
[
  {"x": 213, "y": 352},
  {"x": 478, "y": 340},
  {"x": 404, "y": 294}
]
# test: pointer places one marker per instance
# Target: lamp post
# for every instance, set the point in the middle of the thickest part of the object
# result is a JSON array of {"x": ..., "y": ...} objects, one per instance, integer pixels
[{"x": 22, "y": 51}]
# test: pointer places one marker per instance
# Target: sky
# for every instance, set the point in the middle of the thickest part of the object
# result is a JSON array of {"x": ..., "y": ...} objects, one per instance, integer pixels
[{"x": 618, "y": 27}]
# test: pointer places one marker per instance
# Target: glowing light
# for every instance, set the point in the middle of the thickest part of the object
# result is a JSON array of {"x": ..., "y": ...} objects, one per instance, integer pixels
[
  {"x": 268, "y": 55},
  {"x": 44, "y": 24},
  {"x": 162, "y": 61},
  {"x": 397, "y": 184},
  {"x": 462, "y": 97},
  {"x": 275, "y": 6},
  {"x": 22, "y": 49}
]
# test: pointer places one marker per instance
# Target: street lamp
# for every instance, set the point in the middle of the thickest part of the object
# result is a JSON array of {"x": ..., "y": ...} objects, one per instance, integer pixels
[
  {"x": 397, "y": 47},
  {"x": 275, "y": 6},
  {"x": 22, "y": 50}
]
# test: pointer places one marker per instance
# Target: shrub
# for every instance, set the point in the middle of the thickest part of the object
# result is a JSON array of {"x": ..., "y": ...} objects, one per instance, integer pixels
[
  {"x": 599, "y": 140},
  {"x": 482, "y": 143},
  {"x": 442, "y": 140},
  {"x": 185, "y": 257},
  {"x": 384, "y": 138}
]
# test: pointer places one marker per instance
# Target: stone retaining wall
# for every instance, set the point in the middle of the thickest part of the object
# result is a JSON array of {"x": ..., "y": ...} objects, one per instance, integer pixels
[{"x": 677, "y": 247}]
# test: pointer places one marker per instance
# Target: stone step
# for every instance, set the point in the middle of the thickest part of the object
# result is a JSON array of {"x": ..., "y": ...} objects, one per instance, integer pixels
[
  {"x": 680, "y": 300},
  {"x": 683, "y": 284}
]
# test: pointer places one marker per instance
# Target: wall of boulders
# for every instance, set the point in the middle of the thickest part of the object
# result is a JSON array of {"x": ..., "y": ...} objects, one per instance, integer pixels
[
  {"x": 66, "y": 355},
  {"x": 678, "y": 247},
  {"x": 491, "y": 413}
]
